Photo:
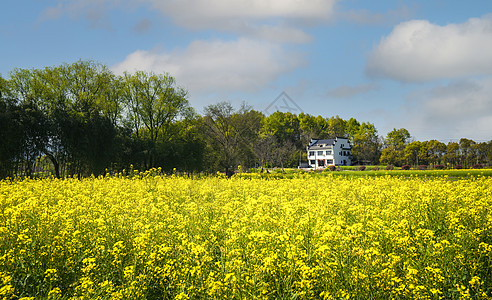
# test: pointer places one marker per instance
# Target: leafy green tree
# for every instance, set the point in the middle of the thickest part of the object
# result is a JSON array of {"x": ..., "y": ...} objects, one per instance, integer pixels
[
  {"x": 452, "y": 155},
  {"x": 230, "y": 135},
  {"x": 467, "y": 152},
  {"x": 312, "y": 127},
  {"x": 397, "y": 138},
  {"x": 352, "y": 128},
  {"x": 337, "y": 127},
  {"x": 73, "y": 99},
  {"x": 482, "y": 152},
  {"x": 435, "y": 151},
  {"x": 395, "y": 142},
  {"x": 415, "y": 153},
  {"x": 285, "y": 128},
  {"x": 184, "y": 148},
  {"x": 153, "y": 102},
  {"x": 366, "y": 144}
]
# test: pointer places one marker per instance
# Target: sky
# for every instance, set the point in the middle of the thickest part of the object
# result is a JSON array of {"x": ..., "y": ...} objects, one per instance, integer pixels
[{"x": 421, "y": 65}]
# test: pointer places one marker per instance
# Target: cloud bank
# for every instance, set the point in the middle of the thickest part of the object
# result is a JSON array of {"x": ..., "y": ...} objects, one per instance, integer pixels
[
  {"x": 462, "y": 108},
  {"x": 208, "y": 66},
  {"x": 418, "y": 51}
]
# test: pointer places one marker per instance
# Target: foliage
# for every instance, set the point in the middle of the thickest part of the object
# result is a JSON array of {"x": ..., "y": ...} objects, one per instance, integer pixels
[
  {"x": 145, "y": 236},
  {"x": 80, "y": 119},
  {"x": 405, "y": 167}
]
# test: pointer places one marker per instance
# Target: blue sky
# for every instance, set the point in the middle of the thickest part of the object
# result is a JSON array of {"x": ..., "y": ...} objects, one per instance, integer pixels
[{"x": 421, "y": 65}]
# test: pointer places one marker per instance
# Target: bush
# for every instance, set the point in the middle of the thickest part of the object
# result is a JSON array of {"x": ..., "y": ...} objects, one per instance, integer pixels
[
  {"x": 332, "y": 168},
  {"x": 439, "y": 167},
  {"x": 405, "y": 167},
  {"x": 458, "y": 167},
  {"x": 362, "y": 168},
  {"x": 375, "y": 169},
  {"x": 422, "y": 167},
  {"x": 390, "y": 167},
  {"x": 477, "y": 166}
]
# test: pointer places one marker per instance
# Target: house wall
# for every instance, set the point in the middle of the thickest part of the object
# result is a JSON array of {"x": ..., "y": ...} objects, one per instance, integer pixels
[
  {"x": 342, "y": 151},
  {"x": 338, "y": 154},
  {"x": 327, "y": 159}
]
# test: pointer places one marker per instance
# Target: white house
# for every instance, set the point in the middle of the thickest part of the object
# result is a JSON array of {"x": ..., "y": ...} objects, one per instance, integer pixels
[{"x": 334, "y": 152}]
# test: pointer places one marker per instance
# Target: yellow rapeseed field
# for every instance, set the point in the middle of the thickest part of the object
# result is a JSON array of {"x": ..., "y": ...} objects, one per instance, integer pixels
[{"x": 168, "y": 237}]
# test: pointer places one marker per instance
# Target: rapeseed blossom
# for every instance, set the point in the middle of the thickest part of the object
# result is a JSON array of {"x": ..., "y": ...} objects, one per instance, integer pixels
[{"x": 169, "y": 237}]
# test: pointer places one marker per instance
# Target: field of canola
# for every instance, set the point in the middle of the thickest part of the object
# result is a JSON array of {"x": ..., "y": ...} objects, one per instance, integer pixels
[{"x": 153, "y": 237}]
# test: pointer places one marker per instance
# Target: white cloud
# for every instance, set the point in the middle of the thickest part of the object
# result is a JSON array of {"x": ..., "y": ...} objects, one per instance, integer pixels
[
  {"x": 217, "y": 66},
  {"x": 276, "y": 34},
  {"x": 420, "y": 51},
  {"x": 460, "y": 109},
  {"x": 271, "y": 20},
  {"x": 95, "y": 11},
  {"x": 192, "y": 13}
]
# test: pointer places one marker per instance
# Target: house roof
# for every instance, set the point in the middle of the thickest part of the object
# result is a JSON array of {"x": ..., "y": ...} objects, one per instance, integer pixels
[{"x": 316, "y": 144}]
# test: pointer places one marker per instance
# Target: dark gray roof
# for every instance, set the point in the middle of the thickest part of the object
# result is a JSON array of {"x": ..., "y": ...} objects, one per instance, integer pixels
[
  {"x": 327, "y": 141},
  {"x": 315, "y": 144}
]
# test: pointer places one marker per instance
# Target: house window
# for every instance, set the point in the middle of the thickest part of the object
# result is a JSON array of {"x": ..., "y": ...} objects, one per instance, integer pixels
[
  {"x": 311, "y": 153},
  {"x": 321, "y": 163},
  {"x": 312, "y": 162},
  {"x": 328, "y": 152},
  {"x": 320, "y": 152},
  {"x": 329, "y": 161}
]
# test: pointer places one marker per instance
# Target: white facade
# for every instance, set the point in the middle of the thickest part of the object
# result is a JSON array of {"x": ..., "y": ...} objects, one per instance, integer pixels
[{"x": 329, "y": 152}]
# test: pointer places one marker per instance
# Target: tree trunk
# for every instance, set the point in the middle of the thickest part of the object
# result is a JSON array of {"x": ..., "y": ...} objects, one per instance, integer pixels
[{"x": 56, "y": 165}]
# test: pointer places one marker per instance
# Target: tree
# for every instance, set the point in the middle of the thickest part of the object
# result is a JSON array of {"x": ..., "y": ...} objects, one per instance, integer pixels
[
  {"x": 285, "y": 128},
  {"x": 337, "y": 127},
  {"x": 413, "y": 153},
  {"x": 153, "y": 102},
  {"x": 366, "y": 144},
  {"x": 230, "y": 135},
  {"x": 78, "y": 112},
  {"x": 395, "y": 143},
  {"x": 312, "y": 127},
  {"x": 352, "y": 128},
  {"x": 452, "y": 153},
  {"x": 264, "y": 150},
  {"x": 397, "y": 138},
  {"x": 435, "y": 151},
  {"x": 483, "y": 151},
  {"x": 467, "y": 153},
  {"x": 184, "y": 149}
]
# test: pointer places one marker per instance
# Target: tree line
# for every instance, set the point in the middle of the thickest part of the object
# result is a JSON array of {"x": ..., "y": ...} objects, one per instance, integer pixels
[
  {"x": 400, "y": 149},
  {"x": 80, "y": 119}
]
